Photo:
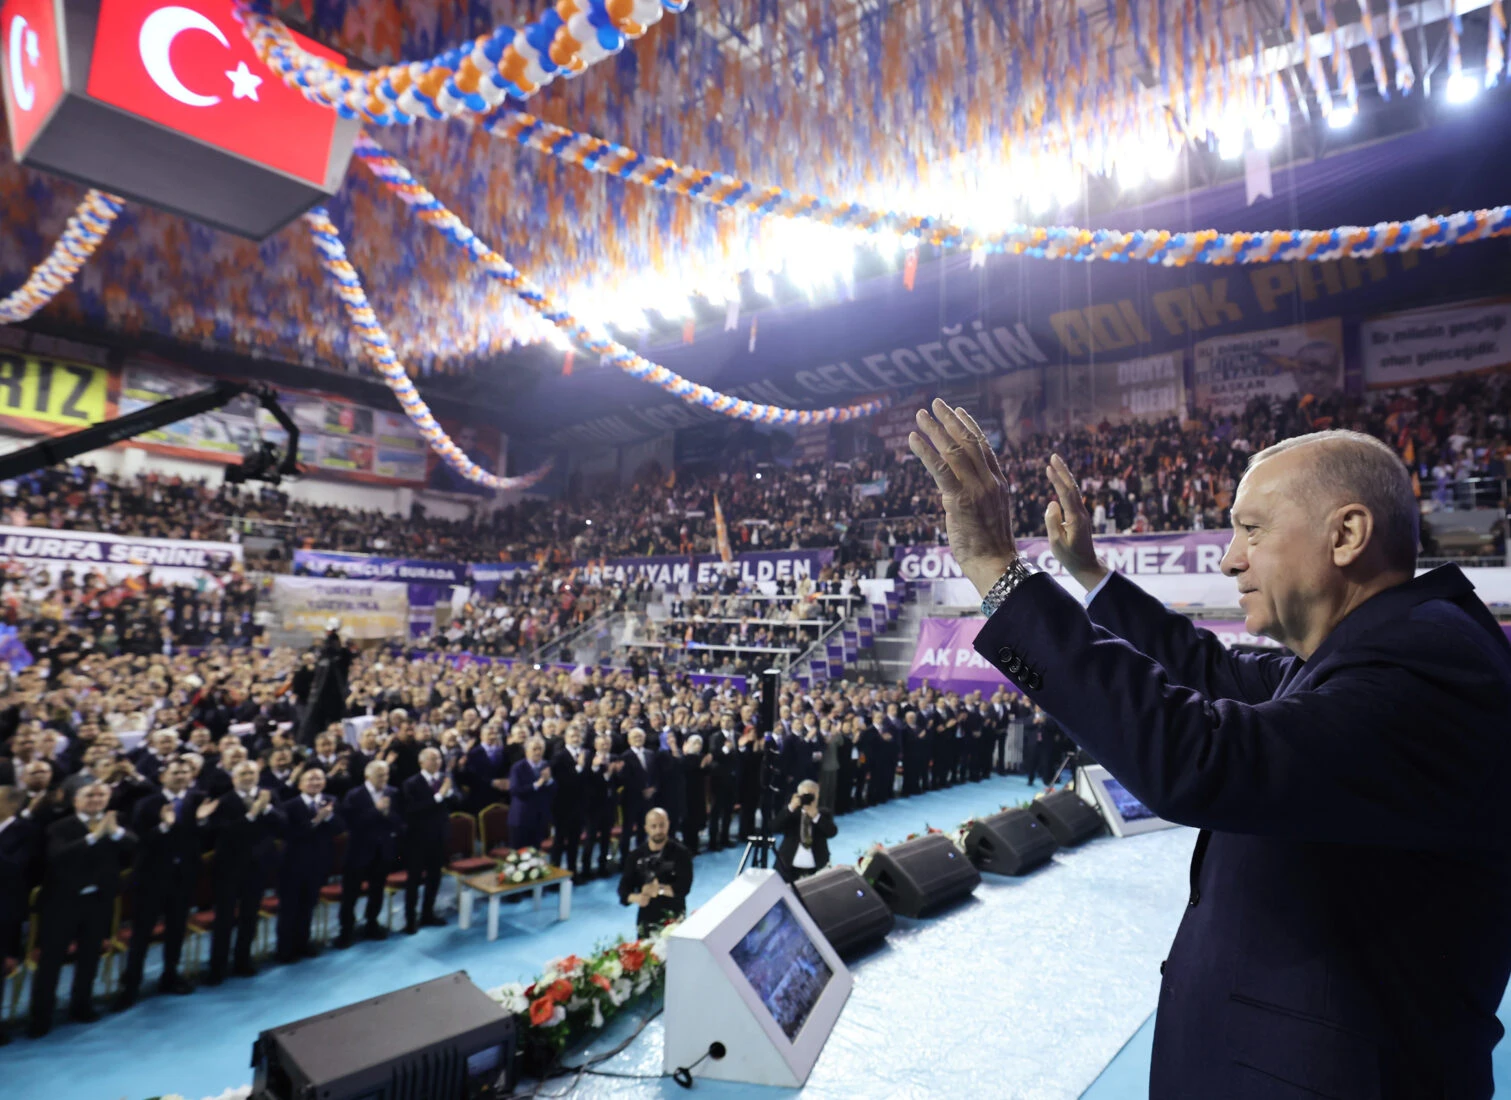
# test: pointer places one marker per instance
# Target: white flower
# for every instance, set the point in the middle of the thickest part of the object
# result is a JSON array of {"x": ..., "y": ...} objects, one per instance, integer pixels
[
  {"x": 516, "y": 877},
  {"x": 597, "y": 1019},
  {"x": 576, "y": 1002},
  {"x": 643, "y": 982},
  {"x": 558, "y": 1014},
  {"x": 620, "y": 992},
  {"x": 614, "y": 970},
  {"x": 511, "y": 997}
]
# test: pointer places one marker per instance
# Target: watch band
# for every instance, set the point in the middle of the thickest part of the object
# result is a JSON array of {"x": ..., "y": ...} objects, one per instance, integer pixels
[{"x": 1018, "y": 572}]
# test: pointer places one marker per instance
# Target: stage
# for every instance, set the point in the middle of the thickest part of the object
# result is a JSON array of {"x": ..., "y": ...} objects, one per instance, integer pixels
[{"x": 1037, "y": 988}]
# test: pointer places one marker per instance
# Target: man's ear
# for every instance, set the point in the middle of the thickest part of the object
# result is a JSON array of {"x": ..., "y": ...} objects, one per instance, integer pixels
[{"x": 1351, "y": 527}]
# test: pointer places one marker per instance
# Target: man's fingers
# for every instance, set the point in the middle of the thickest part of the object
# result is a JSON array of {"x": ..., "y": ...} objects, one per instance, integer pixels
[
  {"x": 993, "y": 466},
  {"x": 944, "y": 477},
  {"x": 1065, "y": 487},
  {"x": 948, "y": 449},
  {"x": 969, "y": 443},
  {"x": 1054, "y": 519}
]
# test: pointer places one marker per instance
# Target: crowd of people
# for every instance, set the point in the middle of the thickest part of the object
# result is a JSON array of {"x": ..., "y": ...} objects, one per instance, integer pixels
[
  {"x": 531, "y": 610},
  {"x": 191, "y": 788},
  {"x": 1140, "y": 476}
]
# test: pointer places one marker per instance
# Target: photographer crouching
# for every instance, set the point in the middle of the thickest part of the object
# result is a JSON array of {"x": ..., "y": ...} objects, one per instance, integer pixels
[
  {"x": 657, "y": 876},
  {"x": 806, "y": 829}
]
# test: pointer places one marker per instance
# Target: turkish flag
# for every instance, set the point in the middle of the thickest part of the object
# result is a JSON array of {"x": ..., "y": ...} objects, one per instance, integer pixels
[
  {"x": 187, "y": 65},
  {"x": 29, "y": 60}
]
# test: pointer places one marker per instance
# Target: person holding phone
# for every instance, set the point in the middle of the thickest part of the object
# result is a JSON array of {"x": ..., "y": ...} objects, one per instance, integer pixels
[{"x": 806, "y": 830}]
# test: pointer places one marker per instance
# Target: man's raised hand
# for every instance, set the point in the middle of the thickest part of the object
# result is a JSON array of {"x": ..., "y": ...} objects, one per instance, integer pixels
[
  {"x": 978, "y": 508},
  {"x": 1069, "y": 527}
]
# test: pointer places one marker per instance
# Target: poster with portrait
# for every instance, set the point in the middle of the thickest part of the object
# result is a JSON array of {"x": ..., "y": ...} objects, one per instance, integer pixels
[{"x": 1277, "y": 363}]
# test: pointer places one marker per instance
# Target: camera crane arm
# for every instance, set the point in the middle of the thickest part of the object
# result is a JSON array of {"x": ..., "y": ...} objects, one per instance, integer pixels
[{"x": 57, "y": 450}]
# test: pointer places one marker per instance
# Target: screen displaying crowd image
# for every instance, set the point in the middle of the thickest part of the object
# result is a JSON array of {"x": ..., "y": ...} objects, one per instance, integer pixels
[{"x": 783, "y": 967}]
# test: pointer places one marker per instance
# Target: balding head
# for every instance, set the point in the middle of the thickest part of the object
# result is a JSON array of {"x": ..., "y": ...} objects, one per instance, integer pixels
[
  {"x": 1321, "y": 524},
  {"x": 1337, "y": 468}
]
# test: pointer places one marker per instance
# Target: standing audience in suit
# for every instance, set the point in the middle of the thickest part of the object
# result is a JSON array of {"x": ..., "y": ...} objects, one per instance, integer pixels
[
  {"x": 428, "y": 798},
  {"x": 313, "y": 823},
  {"x": 531, "y": 793},
  {"x": 246, "y": 827},
  {"x": 373, "y": 829}
]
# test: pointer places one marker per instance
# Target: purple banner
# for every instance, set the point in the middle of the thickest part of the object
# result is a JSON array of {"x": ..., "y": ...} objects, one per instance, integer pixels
[
  {"x": 947, "y": 659},
  {"x": 763, "y": 565},
  {"x": 1131, "y": 555},
  {"x": 852, "y": 644},
  {"x": 1230, "y": 632},
  {"x": 367, "y": 567},
  {"x": 866, "y": 630}
]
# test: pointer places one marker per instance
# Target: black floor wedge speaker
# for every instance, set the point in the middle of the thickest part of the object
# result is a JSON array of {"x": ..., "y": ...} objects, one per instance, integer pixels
[
  {"x": 922, "y": 875},
  {"x": 1067, "y": 816},
  {"x": 1013, "y": 842},
  {"x": 850, "y": 914},
  {"x": 443, "y": 1039}
]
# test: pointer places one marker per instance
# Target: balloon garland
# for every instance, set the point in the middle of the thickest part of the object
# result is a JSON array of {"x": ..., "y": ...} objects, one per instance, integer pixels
[
  {"x": 1205, "y": 246},
  {"x": 430, "y": 211},
  {"x": 85, "y": 229},
  {"x": 349, "y": 287},
  {"x": 474, "y": 76}
]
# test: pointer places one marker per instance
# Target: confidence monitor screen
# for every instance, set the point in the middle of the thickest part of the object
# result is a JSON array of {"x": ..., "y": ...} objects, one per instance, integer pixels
[
  {"x": 783, "y": 967},
  {"x": 1131, "y": 808}
]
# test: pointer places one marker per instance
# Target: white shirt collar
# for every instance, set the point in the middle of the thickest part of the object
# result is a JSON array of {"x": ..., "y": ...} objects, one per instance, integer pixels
[{"x": 374, "y": 791}]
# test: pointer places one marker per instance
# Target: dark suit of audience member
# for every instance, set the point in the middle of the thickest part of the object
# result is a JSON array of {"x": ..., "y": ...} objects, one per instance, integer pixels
[
  {"x": 723, "y": 787},
  {"x": 846, "y": 753},
  {"x": 568, "y": 807},
  {"x": 427, "y": 823},
  {"x": 693, "y": 780},
  {"x": 480, "y": 767},
  {"x": 20, "y": 844},
  {"x": 76, "y": 906},
  {"x": 671, "y": 786},
  {"x": 751, "y": 796},
  {"x": 529, "y": 805},
  {"x": 797, "y": 828},
  {"x": 600, "y": 809},
  {"x": 246, "y": 857},
  {"x": 915, "y": 750},
  {"x": 308, "y": 856},
  {"x": 372, "y": 848},
  {"x": 639, "y": 772},
  {"x": 162, "y": 882},
  {"x": 789, "y": 759}
]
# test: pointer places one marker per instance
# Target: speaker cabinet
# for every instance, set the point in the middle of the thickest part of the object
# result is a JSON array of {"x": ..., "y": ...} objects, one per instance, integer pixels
[
  {"x": 439, "y": 1040},
  {"x": 847, "y": 910},
  {"x": 1010, "y": 843},
  {"x": 922, "y": 875},
  {"x": 1068, "y": 817}
]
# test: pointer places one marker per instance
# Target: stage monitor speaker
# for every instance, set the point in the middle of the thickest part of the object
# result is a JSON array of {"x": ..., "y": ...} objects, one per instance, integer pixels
[
  {"x": 771, "y": 689},
  {"x": 922, "y": 875},
  {"x": 1068, "y": 817},
  {"x": 846, "y": 909},
  {"x": 440, "y": 1040},
  {"x": 1010, "y": 843}
]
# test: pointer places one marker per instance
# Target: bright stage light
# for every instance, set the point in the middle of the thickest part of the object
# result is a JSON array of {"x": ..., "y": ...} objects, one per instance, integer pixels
[
  {"x": 1266, "y": 133},
  {"x": 1130, "y": 170},
  {"x": 1341, "y": 116},
  {"x": 909, "y": 241},
  {"x": 1162, "y": 163},
  {"x": 762, "y": 283},
  {"x": 1462, "y": 88},
  {"x": 1230, "y": 141}
]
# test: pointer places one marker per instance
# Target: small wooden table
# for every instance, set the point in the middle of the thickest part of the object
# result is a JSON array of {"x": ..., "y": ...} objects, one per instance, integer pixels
[{"x": 488, "y": 885}]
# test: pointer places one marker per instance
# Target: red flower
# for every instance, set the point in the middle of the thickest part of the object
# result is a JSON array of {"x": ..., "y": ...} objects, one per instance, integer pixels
[
  {"x": 601, "y": 982},
  {"x": 540, "y": 1011},
  {"x": 631, "y": 958},
  {"x": 560, "y": 991},
  {"x": 570, "y": 963}
]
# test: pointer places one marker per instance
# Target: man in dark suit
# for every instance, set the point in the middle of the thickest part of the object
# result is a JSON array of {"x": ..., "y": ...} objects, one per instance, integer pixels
[
  {"x": 806, "y": 829},
  {"x": 568, "y": 768},
  {"x": 915, "y": 755},
  {"x": 18, "y": 849},
  {"x": 429, "y": 797},
  {"x": 531, "y": 792},
  {"x": 312, "y": 825},
  {"x": 372, "y": 846},
  {"x": 246, "y": 827},
  {"x": 170, "y": 827},
  {"x": 638, "y": 778},
  {"x": 1342, "y": 793},
  {"x": 485, "y": 771},
  {"x": 86, "y": 854},
  {"x": 723, "y": 782},
  {"x": 600, "y": 803}
]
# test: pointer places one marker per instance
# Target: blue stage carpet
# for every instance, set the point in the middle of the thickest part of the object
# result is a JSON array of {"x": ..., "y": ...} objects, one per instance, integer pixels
[{"x": 1038, "y": 987}]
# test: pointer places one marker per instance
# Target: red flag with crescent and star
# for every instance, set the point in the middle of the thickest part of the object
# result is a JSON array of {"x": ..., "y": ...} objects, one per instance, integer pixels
[{"x": 188, "y": 66}]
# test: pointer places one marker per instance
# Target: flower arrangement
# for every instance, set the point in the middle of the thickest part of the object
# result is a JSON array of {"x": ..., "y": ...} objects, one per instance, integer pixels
[
  {"x": 576, "y": 995},
  {"x": 524, "y": 865}
]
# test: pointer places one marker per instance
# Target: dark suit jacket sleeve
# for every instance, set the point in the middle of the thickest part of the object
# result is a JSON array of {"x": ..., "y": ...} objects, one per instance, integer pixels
[
  {"x": 683, "y": 884},
  {"x": 1193, "y": 657},
  {"x": 1363, "y": 755}
]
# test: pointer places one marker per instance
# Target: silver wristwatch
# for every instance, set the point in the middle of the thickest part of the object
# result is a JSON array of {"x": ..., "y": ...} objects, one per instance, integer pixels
[{"x": 1018, "y": 572}]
